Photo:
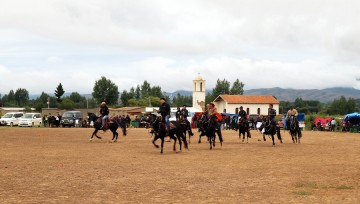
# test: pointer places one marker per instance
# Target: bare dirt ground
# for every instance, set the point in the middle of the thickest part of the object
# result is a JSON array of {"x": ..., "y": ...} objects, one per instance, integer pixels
[{"x": 61, "y": 165}]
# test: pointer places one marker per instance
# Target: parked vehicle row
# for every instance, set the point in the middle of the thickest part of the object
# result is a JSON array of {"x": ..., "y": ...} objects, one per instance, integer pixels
[{"x": 67, "y": 119}]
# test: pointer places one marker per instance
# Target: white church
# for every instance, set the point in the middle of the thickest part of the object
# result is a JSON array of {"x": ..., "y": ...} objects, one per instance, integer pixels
[{"x": 252, "y": 104}]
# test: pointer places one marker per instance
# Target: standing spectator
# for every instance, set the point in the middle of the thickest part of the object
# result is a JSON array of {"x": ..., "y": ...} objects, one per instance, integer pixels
[
  {"x": 128, "y": 120},
  {"x": 46, "y": 120},
  {"x": 333, "y": 125}
]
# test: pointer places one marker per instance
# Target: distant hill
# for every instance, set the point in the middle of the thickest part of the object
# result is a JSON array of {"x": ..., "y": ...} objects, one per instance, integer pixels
[{"x": 322, "y": 95}]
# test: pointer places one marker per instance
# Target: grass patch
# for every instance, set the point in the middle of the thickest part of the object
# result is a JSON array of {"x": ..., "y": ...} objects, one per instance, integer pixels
[
  {"x": 311, "y": 185},
  {"x": 302, "y": 193},
  {"x": 344, "y": 187}
]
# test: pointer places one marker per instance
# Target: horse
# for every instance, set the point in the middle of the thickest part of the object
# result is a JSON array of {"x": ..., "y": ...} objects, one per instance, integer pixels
[
  {"x": 209, "y": 126},
  {"x": 244, "y": 127},
  {"x": 270, "y": 129},
  {"x": 185, "y": 126},
  {"x": 159, "y": 130},
  {"x": 295, "y": 130},
  {"x": 111, "y": 124}
]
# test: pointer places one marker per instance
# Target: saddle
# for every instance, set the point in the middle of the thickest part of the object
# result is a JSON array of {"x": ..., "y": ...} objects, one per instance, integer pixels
[{"x": 106, "y": 122}]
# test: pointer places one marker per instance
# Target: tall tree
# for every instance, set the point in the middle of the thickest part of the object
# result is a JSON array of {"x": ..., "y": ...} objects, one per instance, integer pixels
[
  {"x": 21, "y": 97},
  {"x": 145, "y": 89},
  {"x": 137, "y": 92},
  {"x": 105, "y": 90},
  {"x": 237, "y": 88},
  {"x": 59, "y": 92},
  {"x": 221, "y": 87},
  {"x": 156, "y": 91},
  {"x": 124, "y": 98}
]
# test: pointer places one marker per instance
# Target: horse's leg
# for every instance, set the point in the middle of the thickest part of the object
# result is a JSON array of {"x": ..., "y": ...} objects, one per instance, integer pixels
[
  {"x": 124, "y": 130},
  {"x": 174, "y": 138},
  {"x": 278, "y": 133},
  {"x": 95, "y": 133},
  {"x": 156, "y": 137},
  {"x": 220, "y": 136},
  {"x": 162, "y": 144},
  {"x": 273, "y": 139}
]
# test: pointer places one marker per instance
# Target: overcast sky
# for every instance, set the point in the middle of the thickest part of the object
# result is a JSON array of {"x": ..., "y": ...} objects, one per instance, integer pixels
[{"x": 307, "y": 44}]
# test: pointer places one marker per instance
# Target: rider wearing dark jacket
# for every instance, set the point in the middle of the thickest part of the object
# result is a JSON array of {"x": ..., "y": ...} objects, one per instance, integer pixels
[
  {"x": 185, "y": 114},
  {"x": 164, "y": 111},
  {"x": 104, "y": 112}
]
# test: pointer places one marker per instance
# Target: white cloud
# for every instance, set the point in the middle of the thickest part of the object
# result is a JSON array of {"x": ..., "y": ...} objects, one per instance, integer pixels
[{"x": 298, "y": 44}]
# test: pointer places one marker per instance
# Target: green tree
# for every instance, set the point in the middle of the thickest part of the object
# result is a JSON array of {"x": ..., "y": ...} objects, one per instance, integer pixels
[
  {"x": 137, "y": 92},
  {"x": 21, "y": 97},
  {"x": 145, "y": 89},
  {"x": 105, "y": 90},
  {"x": 299, "y": 103},
  {"x": 67, "y": 104},
  {"x": 237, "y": 88},
  {"x": 342, "y": 106},
  {"x": 124, "y": 98},
  {"x": 156, "y": 91},
  {"x": 221, "y": 87},
  {"x": 180, "y": 100},
  {"x": 59, "y": 92}
]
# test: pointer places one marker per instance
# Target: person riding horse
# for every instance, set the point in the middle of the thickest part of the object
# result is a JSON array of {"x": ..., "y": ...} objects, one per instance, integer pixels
[
  {"x": 164, "y": 111},
  {"x": 104, "y": 112},
  {"x": 213, "y": 115},
  {"x": 243, "y": 120},
  {"x": 291, "y": 113},
  {"x": 184, "y": 113}
]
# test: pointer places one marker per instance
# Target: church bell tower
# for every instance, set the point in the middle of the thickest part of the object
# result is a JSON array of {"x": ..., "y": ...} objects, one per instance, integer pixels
[{"x": 199, "y": 93}]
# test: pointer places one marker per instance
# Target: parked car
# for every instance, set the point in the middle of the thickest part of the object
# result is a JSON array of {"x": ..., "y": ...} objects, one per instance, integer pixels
[
  {"x": 71, "y": 119},
  {"x": 11, "y": 118},
  {"x": 30, "y": 120}
]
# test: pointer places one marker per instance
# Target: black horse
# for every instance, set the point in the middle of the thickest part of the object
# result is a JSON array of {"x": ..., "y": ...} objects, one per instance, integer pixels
[
  {"x": 209, "y": 126},
  {"x": 185, "y": 126},
  {"x": 295, "y": 130},
  {"x": 244, "y": 127},
  {"x": 270, "y": 129},
  {"x": 112, "y": 124},
  {"x": 159, "y": 130}
]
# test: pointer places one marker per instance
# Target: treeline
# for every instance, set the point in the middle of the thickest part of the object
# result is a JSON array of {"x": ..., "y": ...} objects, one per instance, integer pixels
[
  {"x": 340, "y": 106},
  {"x": 147, "y": 95}
]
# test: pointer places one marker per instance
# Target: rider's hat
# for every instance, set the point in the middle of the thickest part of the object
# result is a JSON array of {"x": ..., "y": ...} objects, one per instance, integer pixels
[
  {"x": 163, "y": 99},
  {"x": 241, "y": 107}
]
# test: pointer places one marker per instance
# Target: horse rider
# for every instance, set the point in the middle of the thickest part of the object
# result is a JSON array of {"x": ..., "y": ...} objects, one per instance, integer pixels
[
  {"x": 243, "y": 117},
  {"x": 177, "y": 114},
  {"x": 212, "y": 114},
  {"x": 292, "y": 112},
  {"x": 272, "y": 114},
  {"x": 164, "y": 111},
  {"x": 185, "y": 114},
  {"x": 104, "y": 112}
]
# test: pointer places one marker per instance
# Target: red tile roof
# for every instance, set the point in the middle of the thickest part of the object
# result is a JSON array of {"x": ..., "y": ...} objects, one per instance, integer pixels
[{"x": 247, "y": 99}]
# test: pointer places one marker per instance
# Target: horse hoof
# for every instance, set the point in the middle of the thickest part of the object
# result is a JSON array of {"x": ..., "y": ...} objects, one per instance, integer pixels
[{"x": 90, "y": 140}]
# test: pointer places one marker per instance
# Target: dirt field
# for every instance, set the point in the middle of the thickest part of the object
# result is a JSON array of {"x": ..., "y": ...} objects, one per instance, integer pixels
[{"x": 60, "y": 165}]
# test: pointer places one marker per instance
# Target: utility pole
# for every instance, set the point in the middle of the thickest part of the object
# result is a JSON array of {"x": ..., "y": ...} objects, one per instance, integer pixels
[{"x": 48, "y": 102}]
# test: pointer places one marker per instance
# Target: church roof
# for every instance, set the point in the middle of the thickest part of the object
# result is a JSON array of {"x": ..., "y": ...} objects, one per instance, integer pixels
[
  {"x": 248, "y": 99},
  {"x": 199, "y": 78}
]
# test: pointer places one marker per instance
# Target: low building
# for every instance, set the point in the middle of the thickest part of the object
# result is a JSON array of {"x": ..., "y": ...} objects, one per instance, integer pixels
[{"x": 252, "y": 104}]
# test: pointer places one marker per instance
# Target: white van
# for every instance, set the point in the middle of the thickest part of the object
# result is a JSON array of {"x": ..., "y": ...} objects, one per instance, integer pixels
[
  {"x": 11, "y": 118},
  {"x": 30, "y": 120}
]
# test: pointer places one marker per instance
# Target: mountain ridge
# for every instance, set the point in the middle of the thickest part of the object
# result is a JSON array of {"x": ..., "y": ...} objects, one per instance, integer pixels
[{"x": 282, "y": 94}]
